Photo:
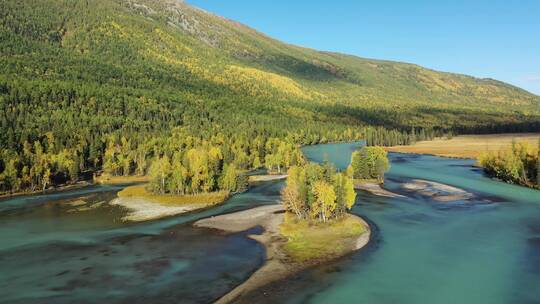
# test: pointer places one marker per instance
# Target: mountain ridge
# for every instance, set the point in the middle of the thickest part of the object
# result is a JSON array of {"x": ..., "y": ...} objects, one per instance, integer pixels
[{"x": 241, "y": 26}]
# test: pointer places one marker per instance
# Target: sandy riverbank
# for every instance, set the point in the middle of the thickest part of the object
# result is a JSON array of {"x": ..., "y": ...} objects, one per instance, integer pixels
[
  {"x": 277, "y": 265},
  {"x": 144, "y": 205},
  {"x": 141, "y": 209}
]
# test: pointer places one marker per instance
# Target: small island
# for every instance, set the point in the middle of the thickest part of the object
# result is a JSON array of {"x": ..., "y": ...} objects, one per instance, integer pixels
[
  {"x": 310, "y": 227},
  {"x": 367, "y": 168},
  {"x": 144, "y": 205},
  {"x": 183, "y": 183}
]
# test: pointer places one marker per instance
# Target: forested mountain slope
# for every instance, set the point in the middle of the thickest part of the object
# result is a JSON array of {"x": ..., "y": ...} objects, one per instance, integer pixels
[{"x": 77, "y": 75}]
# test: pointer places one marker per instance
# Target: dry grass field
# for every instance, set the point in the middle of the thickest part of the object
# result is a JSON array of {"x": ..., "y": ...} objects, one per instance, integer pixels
[{"x": 467, "y": 146}]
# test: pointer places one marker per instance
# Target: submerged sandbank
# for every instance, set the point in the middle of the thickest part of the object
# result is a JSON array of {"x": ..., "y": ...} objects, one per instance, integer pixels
[
  {"x": 376, "y": 189},
  {"x": 437, "y": 191},
  {"x": 433, "y": 190}
]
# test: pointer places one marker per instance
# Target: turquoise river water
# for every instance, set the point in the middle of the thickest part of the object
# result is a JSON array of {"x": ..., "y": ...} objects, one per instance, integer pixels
[{"x": 72, "y": 247}]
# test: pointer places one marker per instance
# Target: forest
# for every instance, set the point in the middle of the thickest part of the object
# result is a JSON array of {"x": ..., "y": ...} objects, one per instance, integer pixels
[{"x": 126, "y": 88}]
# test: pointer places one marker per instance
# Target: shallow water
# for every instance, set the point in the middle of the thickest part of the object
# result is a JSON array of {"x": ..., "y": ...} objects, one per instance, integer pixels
[{"x": 70, "y": 247}]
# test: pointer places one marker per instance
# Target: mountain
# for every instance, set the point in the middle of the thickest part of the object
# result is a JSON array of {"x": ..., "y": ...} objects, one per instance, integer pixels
[
  {"x": 120, "y": 85},
  {"x": 169, "y": 47}
]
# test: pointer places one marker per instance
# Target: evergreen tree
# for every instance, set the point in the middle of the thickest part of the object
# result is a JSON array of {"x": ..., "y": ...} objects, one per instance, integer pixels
[{"x": 370, "y": 162}]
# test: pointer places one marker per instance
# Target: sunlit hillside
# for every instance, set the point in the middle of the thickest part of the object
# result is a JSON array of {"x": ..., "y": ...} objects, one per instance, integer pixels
[{"x": 168, "y": 46}]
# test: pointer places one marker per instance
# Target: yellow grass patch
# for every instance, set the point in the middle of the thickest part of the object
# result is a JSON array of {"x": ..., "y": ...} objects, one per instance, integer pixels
[
  {"x": 312, "y": 241},
  {"x": 208, "y": 199},
  {"x": 106, "y": 179},
  {"x": 467, "y": 146}
]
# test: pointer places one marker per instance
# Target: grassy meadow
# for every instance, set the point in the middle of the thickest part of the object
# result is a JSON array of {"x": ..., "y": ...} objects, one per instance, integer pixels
[
  {"x": 140, "y": 191},
  {"x": 307, "y": 240}
]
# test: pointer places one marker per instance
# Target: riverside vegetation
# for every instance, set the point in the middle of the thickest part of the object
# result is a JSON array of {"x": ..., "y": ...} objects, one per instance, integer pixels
[
  {"x": 369, "y": 164},
  {"x": 114, "y": 86},
  {"x": 201, "y": 174},
  {"x": 518, "y": 164}
]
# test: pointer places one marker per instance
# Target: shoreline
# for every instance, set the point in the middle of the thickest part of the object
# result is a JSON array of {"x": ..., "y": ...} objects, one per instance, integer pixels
[
  {"x": 52, "y": 190},
  {"x": 266, "y": 177},
  {"x": 396, "y": 149},
  {"x": 75, "y": 186},
  {"x": 277, "y": 265},
  {"x": 146, "y": 206},
  {"x": 142, "y": 210},
  {"x": 120, "y": 180}
]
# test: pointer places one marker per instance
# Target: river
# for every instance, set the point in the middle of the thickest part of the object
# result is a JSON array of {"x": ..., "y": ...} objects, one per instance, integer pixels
[{"x": 72, "y": 247}]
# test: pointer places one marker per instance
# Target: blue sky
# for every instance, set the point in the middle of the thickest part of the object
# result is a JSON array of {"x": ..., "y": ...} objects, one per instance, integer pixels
[{"x": 495, "y": 39}]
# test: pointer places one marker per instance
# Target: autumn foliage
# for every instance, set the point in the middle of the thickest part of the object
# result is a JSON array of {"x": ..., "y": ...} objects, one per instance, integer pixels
[{"x": 318, "y": 192}]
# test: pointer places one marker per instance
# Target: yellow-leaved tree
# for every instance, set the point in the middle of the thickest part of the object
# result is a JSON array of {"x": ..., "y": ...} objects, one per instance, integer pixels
[{"x": 325, "y": 201}]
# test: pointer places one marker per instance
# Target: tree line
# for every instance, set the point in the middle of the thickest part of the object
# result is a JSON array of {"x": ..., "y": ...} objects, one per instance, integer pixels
[
  {"x": 64, "y": 132},
  {"x": 380, "y": 136}
]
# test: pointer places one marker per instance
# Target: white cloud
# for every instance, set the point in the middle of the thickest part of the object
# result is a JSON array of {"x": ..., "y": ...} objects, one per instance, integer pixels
[{"x": 533, "y": 78}]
